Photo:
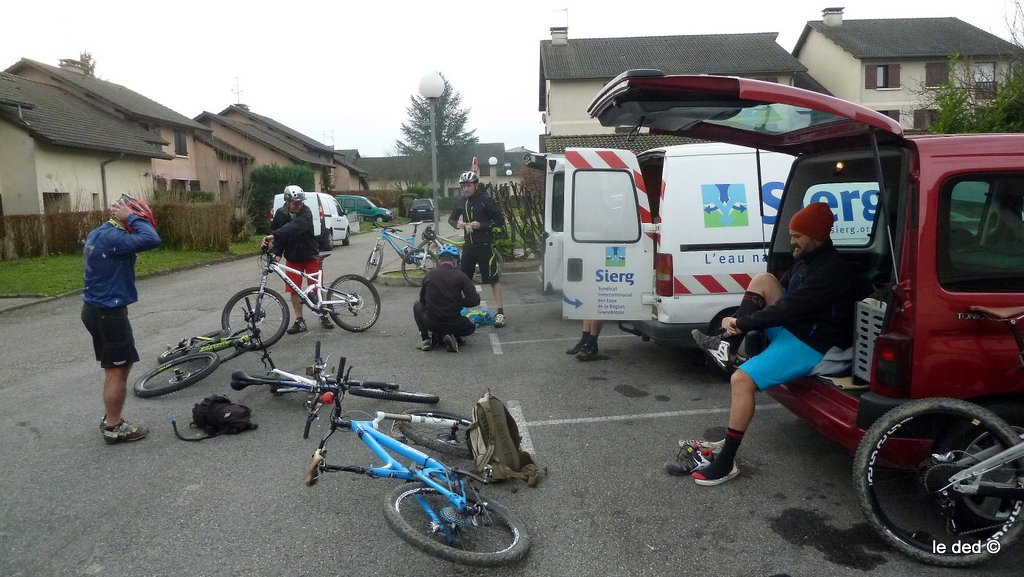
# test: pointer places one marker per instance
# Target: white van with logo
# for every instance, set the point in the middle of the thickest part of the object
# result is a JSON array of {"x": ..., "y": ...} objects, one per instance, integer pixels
[
  {"x": 704, "y": 215},
  {"x": 330, "y": 223}
]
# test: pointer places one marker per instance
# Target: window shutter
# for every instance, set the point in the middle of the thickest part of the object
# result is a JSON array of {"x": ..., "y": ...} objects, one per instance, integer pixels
[
  {"x": 894, "y": 76},
  {"x": 936, "y": 73},
  {"x": 870, "y": 76}
]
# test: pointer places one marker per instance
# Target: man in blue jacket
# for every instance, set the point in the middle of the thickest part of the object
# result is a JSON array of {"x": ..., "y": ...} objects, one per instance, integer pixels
[{"x": 109, "y": 257}]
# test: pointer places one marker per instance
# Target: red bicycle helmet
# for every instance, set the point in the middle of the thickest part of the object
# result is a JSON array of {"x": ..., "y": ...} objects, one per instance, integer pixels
[{"x": 139, "y": 208}]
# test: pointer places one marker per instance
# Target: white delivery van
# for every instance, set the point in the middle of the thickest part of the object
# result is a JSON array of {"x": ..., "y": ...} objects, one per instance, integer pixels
[
  {"x": 330, "y": 223},
  {"x": 662, "y": 242}
]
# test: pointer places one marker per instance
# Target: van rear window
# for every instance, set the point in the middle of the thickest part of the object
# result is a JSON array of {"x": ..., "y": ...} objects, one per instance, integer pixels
[{"x": 981, "y": 233}]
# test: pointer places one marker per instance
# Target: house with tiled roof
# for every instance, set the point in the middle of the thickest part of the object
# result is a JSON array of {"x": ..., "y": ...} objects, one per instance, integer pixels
[
  {"x": 397, "y": 172},
  {"x": 62, "y": 153},
  {"x": 573, "y": 70},
  {"x": 333, "y": 173},
  {"x": 893, "y": 65},
  {"x": 181, "y": 170}
]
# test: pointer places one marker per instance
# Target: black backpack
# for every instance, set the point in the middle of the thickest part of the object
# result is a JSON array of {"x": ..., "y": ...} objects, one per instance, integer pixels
[{"x": 217, "y": 415}]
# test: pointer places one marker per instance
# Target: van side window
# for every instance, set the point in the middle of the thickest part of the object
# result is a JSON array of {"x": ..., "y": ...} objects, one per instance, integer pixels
[
  {"x": 558, "y": 202},
  {"x": 605, "y": 207},
  {"x": 981, "y": 233}
]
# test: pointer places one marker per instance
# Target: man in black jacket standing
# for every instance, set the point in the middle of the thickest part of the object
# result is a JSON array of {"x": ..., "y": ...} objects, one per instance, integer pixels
[
  {"x": 445, "y": 292},
  {"x": 478, "y": 219},
  {"x": 806, "y": 313},
  {"x": 293, "y": 237}
]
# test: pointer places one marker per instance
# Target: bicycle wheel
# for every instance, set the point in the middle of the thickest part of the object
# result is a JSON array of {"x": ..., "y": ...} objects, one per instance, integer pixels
[
  {"x": 375, "y": 261},
  {"x": 184, "y": 346},
  {"x": 417, "y": 265},
  {"x": 403, "y": 396},
  {"x": 176, "y": 375},
  {"x": 485, "y": 535},
  {"x": 437, "y": 438},
  {"x": 362, "y": 306},
  {"x": 269, "y": 312},
  {"x": 902, "y": 480}
]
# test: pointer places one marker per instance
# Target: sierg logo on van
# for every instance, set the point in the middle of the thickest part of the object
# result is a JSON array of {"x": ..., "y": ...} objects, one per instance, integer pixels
[{"x": 725, "y": 205}]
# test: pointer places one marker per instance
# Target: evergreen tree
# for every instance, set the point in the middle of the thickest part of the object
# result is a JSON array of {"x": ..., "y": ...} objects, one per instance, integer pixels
[{"x": 454, "y": 141}]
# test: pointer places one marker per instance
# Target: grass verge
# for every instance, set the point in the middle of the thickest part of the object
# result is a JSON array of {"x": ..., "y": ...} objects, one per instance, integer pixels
[{"x": 54, "y": 275}]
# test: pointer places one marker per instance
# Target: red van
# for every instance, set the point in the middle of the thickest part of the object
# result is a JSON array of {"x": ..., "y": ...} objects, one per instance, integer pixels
[{"x": 933, "y": 224}]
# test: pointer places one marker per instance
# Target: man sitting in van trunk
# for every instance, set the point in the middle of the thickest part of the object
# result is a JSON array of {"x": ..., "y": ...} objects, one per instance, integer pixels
[
  {"x": 293, "y": 237},
  {"x": 803, "y": 316}
]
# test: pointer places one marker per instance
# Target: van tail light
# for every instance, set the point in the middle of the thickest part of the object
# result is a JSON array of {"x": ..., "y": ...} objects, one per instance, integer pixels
[
  {"x": 890, "y": 372},
  {"x": 663, "y": 274}
]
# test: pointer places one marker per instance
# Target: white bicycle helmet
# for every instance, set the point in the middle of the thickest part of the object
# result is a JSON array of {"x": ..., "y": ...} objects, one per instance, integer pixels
[
  {"x": 293, "y": 192},
  {"x": 468, "y": 176}
]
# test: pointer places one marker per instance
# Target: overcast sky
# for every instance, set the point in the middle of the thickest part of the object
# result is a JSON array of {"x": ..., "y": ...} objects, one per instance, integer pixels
[{"x": 342, "y": 72}]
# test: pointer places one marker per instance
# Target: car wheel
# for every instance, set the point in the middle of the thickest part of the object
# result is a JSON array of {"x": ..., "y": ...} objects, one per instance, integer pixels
[
  {"x": 348, "y": 236},
  {"x": 327, "y": 240},
  {"x": 378, "y": 219}
]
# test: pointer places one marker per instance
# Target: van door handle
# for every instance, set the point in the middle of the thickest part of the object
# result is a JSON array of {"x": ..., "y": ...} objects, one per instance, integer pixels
[{"x": 574, "y": 270}]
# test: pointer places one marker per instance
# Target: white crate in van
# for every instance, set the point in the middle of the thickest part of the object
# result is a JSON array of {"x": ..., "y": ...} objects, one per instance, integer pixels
[{"x": 867, "y": 326}]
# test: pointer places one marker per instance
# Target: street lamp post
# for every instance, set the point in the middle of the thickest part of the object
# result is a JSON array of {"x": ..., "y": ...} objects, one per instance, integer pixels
[
  {"x": 432, "y": 87},
  {"x": 493, "y": 162}
]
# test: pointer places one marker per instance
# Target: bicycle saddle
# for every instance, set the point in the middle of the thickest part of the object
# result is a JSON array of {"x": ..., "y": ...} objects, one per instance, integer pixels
[
  {"x": 323, "y": 256},
  {"x": 1001, "y": 313},
  {"x": 241, "y": 380}
]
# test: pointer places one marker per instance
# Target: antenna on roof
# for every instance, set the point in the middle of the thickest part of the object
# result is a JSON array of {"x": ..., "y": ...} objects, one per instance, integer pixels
[{"x": 238, "y": 92}]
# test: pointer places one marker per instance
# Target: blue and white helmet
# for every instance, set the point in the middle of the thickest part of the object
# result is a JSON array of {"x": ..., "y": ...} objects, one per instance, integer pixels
[{"x": 449, "y": 251}]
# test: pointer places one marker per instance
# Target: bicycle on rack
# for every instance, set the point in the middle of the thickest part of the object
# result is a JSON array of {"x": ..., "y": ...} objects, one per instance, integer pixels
[
  {"x": 433, "y": 242},
  {"x": 416, "y": 261},
  {"x": 193, "y": 359},
  {"x": 942, "y": 480},
  {"x": 440, "y": 510},
  {"x": 351, "y": 301}
]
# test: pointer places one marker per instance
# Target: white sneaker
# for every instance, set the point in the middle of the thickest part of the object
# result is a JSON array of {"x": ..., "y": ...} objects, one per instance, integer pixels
[{"x": 499, "y": 320}]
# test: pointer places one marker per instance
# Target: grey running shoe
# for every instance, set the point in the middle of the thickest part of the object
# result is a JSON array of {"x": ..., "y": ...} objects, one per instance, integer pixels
[
  {"x": 299, "y": 326},
  {"x": 425, "y": 345},
  {"x": 450, "y": 342},
  {"x": 123, "y": 432},
  {"x": 688, "y": 460}
]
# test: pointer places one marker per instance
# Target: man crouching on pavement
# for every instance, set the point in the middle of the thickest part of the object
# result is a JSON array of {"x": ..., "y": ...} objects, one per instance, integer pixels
[{"x": 445, "y": 292}]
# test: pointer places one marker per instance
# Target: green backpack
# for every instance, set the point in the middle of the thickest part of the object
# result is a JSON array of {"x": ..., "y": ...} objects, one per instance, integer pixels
[{"x": 494, "y": 442}]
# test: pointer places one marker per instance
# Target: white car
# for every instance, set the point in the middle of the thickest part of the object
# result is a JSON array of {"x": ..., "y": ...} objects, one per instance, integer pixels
[{"x": 330, "y": 223}]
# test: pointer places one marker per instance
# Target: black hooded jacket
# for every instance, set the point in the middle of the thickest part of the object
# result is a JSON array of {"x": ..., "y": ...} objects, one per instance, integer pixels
[
  {"x": 293, "y": 235},
  {"x": 818, "y": 305}
]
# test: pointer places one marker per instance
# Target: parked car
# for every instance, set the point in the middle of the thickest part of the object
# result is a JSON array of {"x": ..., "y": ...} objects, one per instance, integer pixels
[
  {"x": 364, "y": 207},
  {"x": 933, "y": 224},
  {"x": 422, "y": 209},
  {"x": 330, "y": 223}
]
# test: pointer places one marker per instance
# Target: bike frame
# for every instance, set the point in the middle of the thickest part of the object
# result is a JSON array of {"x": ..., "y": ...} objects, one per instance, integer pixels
[
  {"x": 968, "y": 481},
  {"x": 397, "y": 242},
  {"x": 315, "y": 283}
]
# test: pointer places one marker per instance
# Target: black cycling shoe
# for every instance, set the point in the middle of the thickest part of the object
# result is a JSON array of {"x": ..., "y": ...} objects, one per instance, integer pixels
[{"x": 575, "y": 348}]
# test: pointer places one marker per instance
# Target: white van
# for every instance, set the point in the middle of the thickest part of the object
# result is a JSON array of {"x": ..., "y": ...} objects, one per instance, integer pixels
[
  {"x": 330, "y": 223},
  {"x": 663, "y": 242}
]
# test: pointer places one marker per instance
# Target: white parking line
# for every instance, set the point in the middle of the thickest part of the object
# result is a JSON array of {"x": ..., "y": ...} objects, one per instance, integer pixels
[
  {"x": 516, "y": 410},
  {"x": 564, "y": 339},
  {"x": 495, "y": 343}
]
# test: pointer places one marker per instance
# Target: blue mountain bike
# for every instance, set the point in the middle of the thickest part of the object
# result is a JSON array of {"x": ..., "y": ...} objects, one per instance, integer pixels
[{"x": 440, "y": 510}]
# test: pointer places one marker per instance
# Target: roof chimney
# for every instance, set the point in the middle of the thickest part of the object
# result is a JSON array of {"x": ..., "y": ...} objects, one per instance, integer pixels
[
  {"x": 832, "y": 16},
  {"x": 72, "y": 65},
  {"x": 559, "y": 35}
]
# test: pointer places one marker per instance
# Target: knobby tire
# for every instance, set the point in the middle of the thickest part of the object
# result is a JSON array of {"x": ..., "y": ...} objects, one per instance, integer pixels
[
  {"x": 272, "y": 312},
  {"x": 164, "y": 378},
  {"x": 436, "y": 438},
  {"x": 360, "y": 315},
  {"x": 896, "y": 456},
  {"x": 403, "y": 396},
  {"x": 499, "y": 539}
]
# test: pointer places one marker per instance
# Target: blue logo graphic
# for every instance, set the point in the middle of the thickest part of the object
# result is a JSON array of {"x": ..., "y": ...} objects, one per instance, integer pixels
[
  {"x": 615, "y": 256},
  {"x": 724, "y": 205}
]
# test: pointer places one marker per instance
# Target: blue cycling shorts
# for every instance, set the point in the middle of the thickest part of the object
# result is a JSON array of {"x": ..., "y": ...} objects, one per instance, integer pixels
[{"x": 784, "y": 359}]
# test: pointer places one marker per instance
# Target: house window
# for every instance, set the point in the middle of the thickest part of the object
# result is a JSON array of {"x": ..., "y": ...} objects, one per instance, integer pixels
[
  {"x": 893, "y": 114},
  {"x": 923, "y": 118},
  {"x": 882, "y": 76},
  {"x": 985, "y": 80},
  {"x": 56, "y": 202},
  {"x": 936, "y": 73},
  {"x": 180, "y": 143}
]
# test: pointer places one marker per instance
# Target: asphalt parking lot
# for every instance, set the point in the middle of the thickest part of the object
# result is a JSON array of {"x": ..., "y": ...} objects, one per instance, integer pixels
[{"x": 71, "y": 505}]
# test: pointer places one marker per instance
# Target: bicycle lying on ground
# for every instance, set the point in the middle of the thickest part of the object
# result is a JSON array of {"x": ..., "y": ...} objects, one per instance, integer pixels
[
  {"x": 193, "y": 359},
  {"x": 416, "y": 261},
  {"x": 351, "y": 301},
  {"x": 942, "y": 480},
  {"x": 440, "y": 511}
]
